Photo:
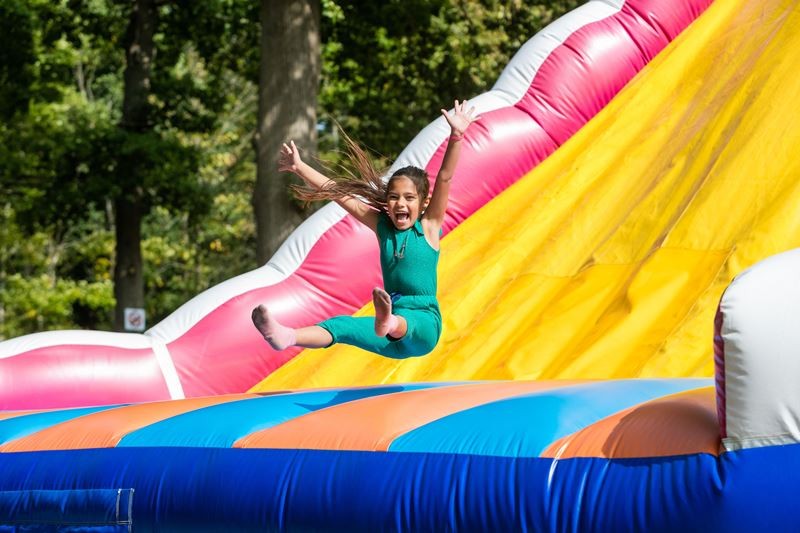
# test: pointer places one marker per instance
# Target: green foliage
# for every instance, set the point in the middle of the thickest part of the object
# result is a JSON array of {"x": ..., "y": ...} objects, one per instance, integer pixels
[
  {"x": 390, "y": 66},
  {"x": 65, "y": 158},
  {"x": 37, "y": 304},
  {"x": 61, "y": 157},
  {"x": 17, "y": 56},
  {"x": 44, "y": 285},
  {"x": 202, "y": 45}
]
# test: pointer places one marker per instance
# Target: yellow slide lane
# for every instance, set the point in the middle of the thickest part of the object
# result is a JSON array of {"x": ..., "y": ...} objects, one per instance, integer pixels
[{"x": 608, "y": 259}]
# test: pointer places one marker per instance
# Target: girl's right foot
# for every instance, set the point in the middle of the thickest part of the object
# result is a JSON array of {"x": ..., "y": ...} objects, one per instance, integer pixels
[
  {"x": 276, "y": 334},
  {"x": 385, "y": 321}
]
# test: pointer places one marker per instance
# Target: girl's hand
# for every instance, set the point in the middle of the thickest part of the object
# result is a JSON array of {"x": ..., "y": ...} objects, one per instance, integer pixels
[
  {"x": 461, "y": 118},
  {"x": 289, "y": 159}
]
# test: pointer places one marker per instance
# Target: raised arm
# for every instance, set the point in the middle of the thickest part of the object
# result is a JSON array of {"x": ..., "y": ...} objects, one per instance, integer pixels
[
  {"x": 434, "y": 214},
  {"x": 290, "y": 161}
]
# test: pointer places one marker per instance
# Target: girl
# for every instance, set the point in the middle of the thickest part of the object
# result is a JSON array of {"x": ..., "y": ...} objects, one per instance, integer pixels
[{"x": 408, "y": 225}]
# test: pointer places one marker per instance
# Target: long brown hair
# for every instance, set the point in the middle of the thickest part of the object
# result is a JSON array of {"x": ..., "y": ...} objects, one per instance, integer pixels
[{"x": 359, "y": 178}]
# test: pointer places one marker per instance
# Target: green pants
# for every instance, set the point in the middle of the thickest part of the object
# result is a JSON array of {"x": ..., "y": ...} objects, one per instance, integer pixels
[{"x": 424, "y": 328}]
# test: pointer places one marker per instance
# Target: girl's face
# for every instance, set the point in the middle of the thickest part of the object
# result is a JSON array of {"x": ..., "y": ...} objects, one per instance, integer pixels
[{"x": 403, "y": 203}]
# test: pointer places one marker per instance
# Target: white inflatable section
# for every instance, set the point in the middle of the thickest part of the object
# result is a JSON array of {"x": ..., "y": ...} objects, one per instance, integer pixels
[
  {"x": 761, "y": 338},
  {"x": 511, "y": 86},
  {"x": 45, "y": 339}
]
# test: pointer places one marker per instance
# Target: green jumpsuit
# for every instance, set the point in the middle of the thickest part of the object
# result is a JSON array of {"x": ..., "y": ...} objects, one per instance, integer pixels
[{"x": 408, "y": 264}]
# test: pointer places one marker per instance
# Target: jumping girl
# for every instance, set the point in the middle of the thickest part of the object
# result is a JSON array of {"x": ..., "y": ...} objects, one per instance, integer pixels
[{"x": 408, "y": 225}]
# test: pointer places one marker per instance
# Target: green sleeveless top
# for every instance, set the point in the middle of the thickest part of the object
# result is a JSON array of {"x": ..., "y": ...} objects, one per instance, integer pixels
[{"x": 408, "y": 262}]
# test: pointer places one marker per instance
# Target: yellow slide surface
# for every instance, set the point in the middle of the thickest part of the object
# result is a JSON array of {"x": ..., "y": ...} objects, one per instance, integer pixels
[{"x": 609, "y": 258}]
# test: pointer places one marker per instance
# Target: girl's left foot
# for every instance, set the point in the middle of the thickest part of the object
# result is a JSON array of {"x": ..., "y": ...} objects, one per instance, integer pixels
[{"x": 385, "y": 321}]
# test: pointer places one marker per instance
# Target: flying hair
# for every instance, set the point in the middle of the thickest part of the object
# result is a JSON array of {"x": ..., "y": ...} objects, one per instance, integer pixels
[{"x": 360, "y": 179}]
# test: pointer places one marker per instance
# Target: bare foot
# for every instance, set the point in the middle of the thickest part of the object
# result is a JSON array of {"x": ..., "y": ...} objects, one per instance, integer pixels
[
  {"x": 383, "y": 312},
  {"x": 276, "y": 334}
]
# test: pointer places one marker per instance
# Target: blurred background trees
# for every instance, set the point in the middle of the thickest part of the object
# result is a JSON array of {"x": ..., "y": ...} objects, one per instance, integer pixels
[{"x": 77, "y": 157}]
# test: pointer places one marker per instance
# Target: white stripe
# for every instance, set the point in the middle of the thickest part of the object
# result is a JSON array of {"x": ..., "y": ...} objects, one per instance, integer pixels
[
  {"x": 732, "y": 444},
  {"x": 511, "y": 86},
  {"x": 46, "y": 339},
  {"x": 168, "y": 370}
]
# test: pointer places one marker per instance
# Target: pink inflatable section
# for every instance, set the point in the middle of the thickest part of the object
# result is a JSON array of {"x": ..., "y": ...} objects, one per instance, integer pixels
[{"x": 557, "y": 82}]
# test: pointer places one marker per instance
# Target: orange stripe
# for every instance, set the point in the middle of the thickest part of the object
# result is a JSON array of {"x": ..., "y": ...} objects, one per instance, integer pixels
[
  {"x": 373, "y": 423},
  {"x": 105, "y": 429},
  {"x": 5, "y": 415},
  {"x": 679, "y": 424}
]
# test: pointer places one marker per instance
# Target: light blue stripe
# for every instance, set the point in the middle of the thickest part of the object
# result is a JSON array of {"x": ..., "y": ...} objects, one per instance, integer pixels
[
  {"x": 223, "y": 424},
  {"x": 22, "y": 426},
  {"x": 525, "y": 425}
]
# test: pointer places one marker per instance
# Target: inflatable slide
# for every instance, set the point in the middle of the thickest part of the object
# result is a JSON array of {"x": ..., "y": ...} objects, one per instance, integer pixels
[{"x": 620, "y": 293}]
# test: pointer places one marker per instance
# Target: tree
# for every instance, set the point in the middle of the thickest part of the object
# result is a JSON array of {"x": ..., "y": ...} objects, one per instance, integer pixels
[
  {"x": 287, "y": 109},
  {"x": 129, "y": 202},
  {"x": 97, "y": 139}
]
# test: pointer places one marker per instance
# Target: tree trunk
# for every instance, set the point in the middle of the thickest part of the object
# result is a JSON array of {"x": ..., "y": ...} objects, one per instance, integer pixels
[
  {"x": 128, "y": 275},
  {"x": 287, "y": 109},
  {"x": 128, "y": 205}
]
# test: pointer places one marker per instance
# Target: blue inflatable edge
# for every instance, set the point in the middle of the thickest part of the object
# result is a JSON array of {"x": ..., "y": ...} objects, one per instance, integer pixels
[{"x": 214, "y": 489}]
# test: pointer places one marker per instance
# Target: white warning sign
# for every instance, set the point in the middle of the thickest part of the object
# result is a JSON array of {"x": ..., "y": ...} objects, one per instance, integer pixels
[{"x": 134, "y": 319}]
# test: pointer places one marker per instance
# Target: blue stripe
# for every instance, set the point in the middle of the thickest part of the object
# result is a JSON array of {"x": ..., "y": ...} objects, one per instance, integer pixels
[
  {"x": 223, "y": 424},
  {"x": 223, "y": 489},
  {"x": 22, "y": 426},
  {"x": 525, "y": 425}
]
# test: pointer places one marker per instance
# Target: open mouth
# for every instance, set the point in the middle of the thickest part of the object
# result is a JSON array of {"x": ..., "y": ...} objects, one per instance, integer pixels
[{"x": 401, "y": 217}]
